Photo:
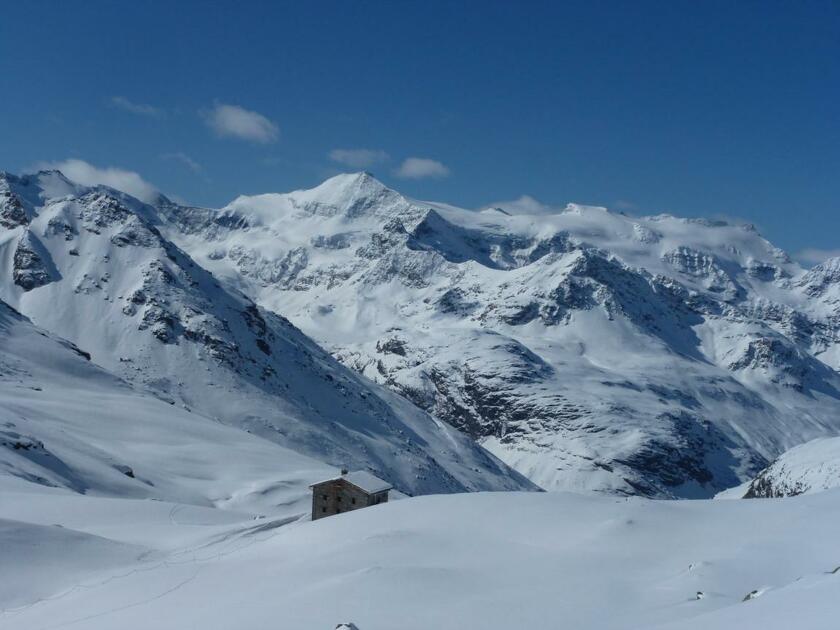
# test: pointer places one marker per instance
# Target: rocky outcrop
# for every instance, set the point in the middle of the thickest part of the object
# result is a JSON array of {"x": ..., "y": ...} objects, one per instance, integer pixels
[
  {"x": 13, "y": 211},
  {"x": 32, "y": 265}
]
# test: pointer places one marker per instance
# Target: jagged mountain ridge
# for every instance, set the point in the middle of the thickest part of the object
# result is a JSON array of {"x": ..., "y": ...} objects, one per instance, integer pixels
[
  {"x": 588, "y": 349},
  {"x": 91, "y": 265}
]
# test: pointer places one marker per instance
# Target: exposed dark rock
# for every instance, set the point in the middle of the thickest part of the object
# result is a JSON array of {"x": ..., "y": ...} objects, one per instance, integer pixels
[
  {"x": 162, "y": 324},
  {"x": 126, "y": 470},
  {"x": 455, "y": 301},
  {"x": 332, "y": 241},
  {"x": 393, "y": 345},
  {"x": 33, "y": 266},
  {"x": 57, "y": 225}
]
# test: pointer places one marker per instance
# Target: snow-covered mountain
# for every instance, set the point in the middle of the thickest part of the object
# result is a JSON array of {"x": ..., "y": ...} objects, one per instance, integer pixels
[
  {"x": 586, "y": 348},
  {"x": 804, "y": 469},
  {"x": 90, "y": 265},
  {"x": 67, "y": 423}
]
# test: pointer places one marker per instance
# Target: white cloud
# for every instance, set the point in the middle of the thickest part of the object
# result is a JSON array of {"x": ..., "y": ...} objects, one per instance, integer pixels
[
  {"x": 87, "y": 174},
  {"x": 421, "y": 168},
  {"x": 525, "y": 205},
  {"x": 358, "y": 158},
  {"x": 136, "y": 108},
  {"x": 232, "y": 121},
  {"x": 184, "y": 159},
  {"x": 814, "y": 256}
]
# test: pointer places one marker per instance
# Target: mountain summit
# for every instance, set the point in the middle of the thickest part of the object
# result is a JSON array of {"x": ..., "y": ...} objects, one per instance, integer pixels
[
  {"x": 93, "y": 266},
  {"x": 587, "y": 348}
]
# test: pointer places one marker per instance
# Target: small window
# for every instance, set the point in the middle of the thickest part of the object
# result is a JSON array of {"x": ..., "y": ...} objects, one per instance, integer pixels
[
  {"x": 324, "y": 496},
  {"x": 323, "y": 509},
  {"x": 353, "y": 500},
  {"x": 338, "y": 499},
  {"x": 377, "y": 500},
  {"x": 338, "y": 511}
]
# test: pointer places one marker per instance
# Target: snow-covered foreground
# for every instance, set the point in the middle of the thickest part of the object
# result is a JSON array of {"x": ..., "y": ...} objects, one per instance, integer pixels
[{"x": 490, "y": 561}]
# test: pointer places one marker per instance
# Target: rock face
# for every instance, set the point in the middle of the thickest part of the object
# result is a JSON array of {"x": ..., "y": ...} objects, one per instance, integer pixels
[
  {"x": 804, "y": 469},
  {"x": 92, "y": 266},
  {"x": 13, "y": 211},
  {"x": 588, "y": 349},
  {"x": 31, "y": 263}
]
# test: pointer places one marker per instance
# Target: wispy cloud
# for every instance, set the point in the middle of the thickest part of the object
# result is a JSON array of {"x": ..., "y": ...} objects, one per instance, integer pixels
[
  {"x": 232, "y": 121},
  {"x": 184, "y": 159},
  {"x": 139, "y": 109},
  {"x": 525, "y": 205},
  {"x": 814, "y": 256},
  {"x": 421, "y": 168},
  {"x": 358, "y": 158},
  {"x": 87, "y": 174}
]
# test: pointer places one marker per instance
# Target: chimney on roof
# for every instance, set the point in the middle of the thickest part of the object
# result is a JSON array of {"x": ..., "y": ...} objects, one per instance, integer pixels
[{"x": 344, "y": 471}]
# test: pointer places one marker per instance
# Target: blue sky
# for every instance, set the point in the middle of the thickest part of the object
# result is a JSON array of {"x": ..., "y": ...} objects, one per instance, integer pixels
[{"x": 696, "y": 108}]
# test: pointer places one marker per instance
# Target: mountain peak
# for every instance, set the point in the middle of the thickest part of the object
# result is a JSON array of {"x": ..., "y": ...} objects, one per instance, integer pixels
[
  {"x": 822, "y": 277},
  {"x": 347, "y": 186},
  {"x": 168, "y": 326},
  {"x": 830, "y": 264},
  {"x": 352, "y": 195},
  {"x": 827, "y": 270},
  {"x": 357, "y": 177},
  {"x": 583, "y": 209},
  {"x": 54, "y": 183}
]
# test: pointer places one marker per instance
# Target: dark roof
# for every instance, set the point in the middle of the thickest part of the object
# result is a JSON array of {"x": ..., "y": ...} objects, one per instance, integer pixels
[{"x": 363, "y": 480}]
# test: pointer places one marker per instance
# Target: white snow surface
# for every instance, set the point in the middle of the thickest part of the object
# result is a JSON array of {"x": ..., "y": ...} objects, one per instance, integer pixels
[
  {"x": 488, "y": 561},
  {"x": 89, "y": 265},
  {"x": 67, "y": 423},
  {"x": 804, "y": 469},
  {"x": 588, "y": 349}
]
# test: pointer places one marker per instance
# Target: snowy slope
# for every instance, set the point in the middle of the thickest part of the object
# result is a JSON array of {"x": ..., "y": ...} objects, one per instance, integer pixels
[
  {"x": 810, "y": 467},
  {"x": 588, "y": 349},
  {"x": 484, "y": 561},
  {"x": 89, "y": 265},
  {"x": 63, "y": 556},
  {"x": 67, "y": 423}
]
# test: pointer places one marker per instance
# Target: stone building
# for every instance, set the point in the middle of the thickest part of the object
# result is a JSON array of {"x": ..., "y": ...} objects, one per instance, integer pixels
[{"x": 349, "y": 491}]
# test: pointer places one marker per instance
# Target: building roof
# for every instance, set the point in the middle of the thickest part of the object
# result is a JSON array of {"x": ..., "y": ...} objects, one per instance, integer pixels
[{"x": 363, "y": 480}]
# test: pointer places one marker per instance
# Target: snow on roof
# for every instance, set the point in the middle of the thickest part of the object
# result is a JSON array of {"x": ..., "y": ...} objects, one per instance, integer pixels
[{"x": 362, "y": 480}]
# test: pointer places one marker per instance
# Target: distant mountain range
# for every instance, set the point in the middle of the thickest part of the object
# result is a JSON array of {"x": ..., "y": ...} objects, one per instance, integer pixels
[
  {"x": 91, "y": 265},
  {"x": 589, "y": 350}
]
